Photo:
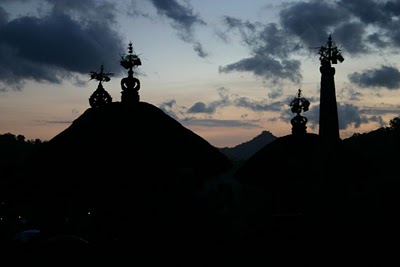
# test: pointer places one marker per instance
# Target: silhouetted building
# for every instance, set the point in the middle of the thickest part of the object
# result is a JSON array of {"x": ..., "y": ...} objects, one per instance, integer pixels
[
  {"x": 309, "y": 186},
  {"x": 328, "y": 114},
  {"x": 121, "y": 171}
]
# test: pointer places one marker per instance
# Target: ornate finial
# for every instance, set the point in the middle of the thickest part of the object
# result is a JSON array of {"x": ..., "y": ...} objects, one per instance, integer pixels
[
  {"x": 100, "y": 97},
  {"x": 131, "y": 60},
  {"x": 101, "y": 76},
  {"x": 299, "y": 104},
  {"x": 330, "y": 53},
  {"x": 130, "y": 85}
]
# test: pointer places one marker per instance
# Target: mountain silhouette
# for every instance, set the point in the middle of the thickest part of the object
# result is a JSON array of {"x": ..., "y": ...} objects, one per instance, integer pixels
[
  {"x": 306, "y": 189},
  {"x": 117, "y": 168},
  {"x": 247, "y": 149}
]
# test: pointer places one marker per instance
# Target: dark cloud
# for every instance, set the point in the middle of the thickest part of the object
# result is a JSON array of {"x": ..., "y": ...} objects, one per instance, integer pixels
[
  {"x": 183, "y": 19},
  {"x": 381, "y": 111},
  {"x": 171, "y": 108},
  {"x": 368, "y": 11},
  {"x": 201, "y": 107},
  {"x": 227, "y": 99},
  {"x": 312, "y": 21},
  {"x": 276, "y": 93},
  {"x": 377, "y": 40},
  {"x": 220, "y": 123},
  {"x": 257, "y": 106},
  {"x": 270, "y": 48},
  {"x": 350, "y": 115},
  {"x": 180, "y": 113},
  {"x": 198, "y": 48},
  {"x": 50, "y": 48},
  {"x": 168, "y": 106},
  {"x": 358, "y": 27},
  {"x": 351, "y": 36},
  {"x": 385, "y": 77},
  {"x": 349, "y": 93},
  {"x": 267, "y": 67},
  {"x": 3, "y": 17},
  {"x": 392, "y": 7},
  {"x": 102, "y": 11},
  {"x": 212, "y": 107}
]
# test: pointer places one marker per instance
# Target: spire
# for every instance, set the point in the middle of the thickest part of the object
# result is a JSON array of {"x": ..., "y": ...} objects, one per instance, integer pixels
[{"x": 328, "y": 114}]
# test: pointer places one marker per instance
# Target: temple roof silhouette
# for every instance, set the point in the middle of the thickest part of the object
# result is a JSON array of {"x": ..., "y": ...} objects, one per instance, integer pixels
[
  {"x": 135, "y": 141},
  {"x": 128, "y": 165}
]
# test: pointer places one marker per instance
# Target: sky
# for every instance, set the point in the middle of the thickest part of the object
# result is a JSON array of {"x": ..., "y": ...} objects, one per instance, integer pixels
[{"x": 225, "y": 69}]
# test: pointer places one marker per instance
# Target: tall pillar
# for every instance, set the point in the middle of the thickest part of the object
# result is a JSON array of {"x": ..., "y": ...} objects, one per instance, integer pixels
[{"x": 328, "y": 113}]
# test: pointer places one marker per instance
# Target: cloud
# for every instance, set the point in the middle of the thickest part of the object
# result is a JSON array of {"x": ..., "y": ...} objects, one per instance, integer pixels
[
  {"x": 3, "y": 17},
  {"x": 267, "y": 68},
  {"x": 270, "y": 49},
  {"x": 388, "y": 109},
  {"x": 200, "y": 107},
  {"x": 385, "y": 77},
  {"x": 227, "y": 99},
  {"x": 183, "y": 19},
  {"x": 219, "y": 123},
  {"x": 211, "y": 108},
  {"x": 348, "y": 115},
  {"x": 368, "y": 11},
  {"x": 257, "y": 106},
  {"x": 189, "y": 116},
  {"x": 64, "y": 41},
  {"x": 358, "y": 27},
  {"x": 311, "y": 21},
  {"x": 168, "y": 106}
]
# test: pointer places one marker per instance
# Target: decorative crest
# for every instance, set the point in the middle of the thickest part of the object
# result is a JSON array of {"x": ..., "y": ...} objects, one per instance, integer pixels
[
  {"x": 330, "y": 53},
  {"x": 101, "y": 76},
  {"x": 299, "y": 104},
  {"x": 131, "y": 60},
  {"x": 100, "y": 97},
  {"x": 130, "y": 85}
]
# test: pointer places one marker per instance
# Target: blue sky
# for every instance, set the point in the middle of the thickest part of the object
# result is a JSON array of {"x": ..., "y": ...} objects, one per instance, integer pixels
[{"x": 225, "y": 69}]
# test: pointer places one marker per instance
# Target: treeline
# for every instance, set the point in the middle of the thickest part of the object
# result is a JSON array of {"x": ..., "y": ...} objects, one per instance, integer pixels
[{"x": 14, "y": 151}]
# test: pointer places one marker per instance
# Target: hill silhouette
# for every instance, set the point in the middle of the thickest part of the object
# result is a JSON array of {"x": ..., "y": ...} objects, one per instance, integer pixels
[
  {"x": 245, "y": 150},
  {"x": 119, "y": 172},
  {"x": 344, "y": 193},
  {"x": 291, "y": 191}
]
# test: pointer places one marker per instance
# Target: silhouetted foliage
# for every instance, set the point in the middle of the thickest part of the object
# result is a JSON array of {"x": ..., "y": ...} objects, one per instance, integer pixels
[
  {"x": 395, "y": 123},
  {"x": 14, "y": 151},
  {"x": 171, "y": 191}
]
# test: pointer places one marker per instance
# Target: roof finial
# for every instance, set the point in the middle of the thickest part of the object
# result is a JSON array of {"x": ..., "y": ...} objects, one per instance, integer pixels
[
  {"x": 330, "y": 53},
  {"x": 130, "y": 85},
  {"x": 299, "y": 104},
  {"x": 100, "y": 97}
]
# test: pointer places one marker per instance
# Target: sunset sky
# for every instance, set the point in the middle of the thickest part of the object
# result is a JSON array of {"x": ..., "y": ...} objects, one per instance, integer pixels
[{"x": 225, "y": 69}]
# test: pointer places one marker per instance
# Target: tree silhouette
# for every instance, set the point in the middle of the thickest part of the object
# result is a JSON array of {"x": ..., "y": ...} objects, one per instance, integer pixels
[{"x": 395, "y": 123}]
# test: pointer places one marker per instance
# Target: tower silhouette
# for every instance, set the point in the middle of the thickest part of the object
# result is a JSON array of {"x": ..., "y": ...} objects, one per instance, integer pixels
[{"x": 328, "y": 114}]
